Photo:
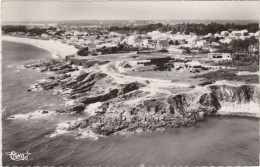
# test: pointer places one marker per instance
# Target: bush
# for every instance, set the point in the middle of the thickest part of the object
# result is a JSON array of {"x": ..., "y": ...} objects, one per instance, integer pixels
[
  {"x": 83, "y": 52},
  {"x": 229, "y": 75},
  {"x": 164, "y": 51}
]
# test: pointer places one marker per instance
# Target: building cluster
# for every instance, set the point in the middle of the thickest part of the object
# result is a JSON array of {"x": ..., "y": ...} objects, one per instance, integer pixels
[{"x": 96, "y": 37}]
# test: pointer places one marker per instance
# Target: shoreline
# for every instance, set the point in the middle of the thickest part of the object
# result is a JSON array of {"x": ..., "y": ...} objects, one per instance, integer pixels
[
  {"x": 130, "y": 98},
  {"x": 251, "y": 109},
  {"x": 56, "y": 48}
]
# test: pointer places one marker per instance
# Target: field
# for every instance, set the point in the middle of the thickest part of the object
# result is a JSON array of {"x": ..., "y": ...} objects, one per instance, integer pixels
[
  {"x": 230, "y": 75},
  {"x": 184, "y": 76},
  {"x": 174, "y": 75}
]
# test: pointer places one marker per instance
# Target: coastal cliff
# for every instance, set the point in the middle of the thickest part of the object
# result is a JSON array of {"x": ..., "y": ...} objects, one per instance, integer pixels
[{"x": 120, "y": 108}]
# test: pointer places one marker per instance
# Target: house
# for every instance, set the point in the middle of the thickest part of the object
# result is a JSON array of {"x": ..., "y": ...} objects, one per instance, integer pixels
[
  {"x": 239, "y": 33},
  {"x": 138, "y": 63},
  {"x": 137, "y": 40},
  {"x": 224, "y": 33},
  {"x": 28, "y": 34},
  {"x": 122, "y": 38},
  {"x": 179, "y": 65},
  {"x": 21, "y": 33},
  {"x": 219, "y": 56},
  {"x": 253, "y": 49},
  {"x": 115, "y": 41},
  {"x": 124, "y": 66},
  {"x": 217, "y": 35},
  {"x": 145, "y": 43},
  {"x": 74, "y": 39},
  {"x": 92, "y": 47},
  {"x": 193, "y": 64},
  {"x": 203, "y": 44},
  {"x": 175, "y": 50},
  {"x": 225, "y": 40},
  {"x": 81, "y": 41},
  {"x": 215, "y": 44},
  {"x": 162, "y": 43}
]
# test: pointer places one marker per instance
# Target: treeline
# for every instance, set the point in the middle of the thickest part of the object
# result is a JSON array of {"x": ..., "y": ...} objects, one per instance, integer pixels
[
  {"x": 117, "y": 49},
  {"x": 122, "y": 48},
  {"x": 18, "y": 28},
  {"x": 237, "y": 45},
  {"x": 187, "y": 28}
]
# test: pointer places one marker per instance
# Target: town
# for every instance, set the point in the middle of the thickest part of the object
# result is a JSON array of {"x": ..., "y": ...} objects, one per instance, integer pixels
[{"x": 145, "y": 49}]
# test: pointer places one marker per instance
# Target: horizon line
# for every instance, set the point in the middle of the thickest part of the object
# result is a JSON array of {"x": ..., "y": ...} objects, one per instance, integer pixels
[{"x": 135, "y": 20}]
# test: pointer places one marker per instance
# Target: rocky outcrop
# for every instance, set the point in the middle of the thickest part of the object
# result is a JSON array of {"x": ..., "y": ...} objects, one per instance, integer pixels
[
  {"x": 86, "y": 63},
  {"x": 128, "y": 108},
  {"x": 100, "y": 98},
  {"x": 76, "y": 108},
  {"x": 130, "y": 87},
  {"x": 240, "y": 94},
  {"x": 159, "y": 114}
]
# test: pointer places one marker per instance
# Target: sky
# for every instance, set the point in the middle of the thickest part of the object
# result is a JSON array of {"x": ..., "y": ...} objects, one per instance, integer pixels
[{"x": 15, "y": 11}]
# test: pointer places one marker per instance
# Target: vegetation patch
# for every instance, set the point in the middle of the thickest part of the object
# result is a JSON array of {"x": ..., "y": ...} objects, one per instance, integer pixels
[{"x": 228, "y": 75}]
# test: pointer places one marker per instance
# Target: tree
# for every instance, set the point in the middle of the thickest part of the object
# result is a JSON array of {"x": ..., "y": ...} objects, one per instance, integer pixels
[
  {"x": 83, "y": 52},
  {"x": 187, "y": 50},
  {"x": 121, "y": 47},
  {"x": 114, "y": 49},
  {"x": 176, "y": 42},
  {"x": 170, "y": 42}
]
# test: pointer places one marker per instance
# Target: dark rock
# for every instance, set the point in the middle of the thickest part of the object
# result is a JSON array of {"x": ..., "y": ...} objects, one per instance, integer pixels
[
  {"x": 82, "y": 76},
  {"x": 45, "y": 112},
  {"x": 61, "y": 77},
  {"x": 44, "y": 69},
  {"x": 51, "y": 77},
  {"x": 77, "y": 108},
  {"x": 49, "y": 85},
  {"x": 206, "y": 82},
  {"x": 103, "y": 62},
  {"x": 210, "y": 100},
  {"x": 131, "y": 87},
  {"x": 112, "y": 94},
  {"x": 82, "y": 62}
]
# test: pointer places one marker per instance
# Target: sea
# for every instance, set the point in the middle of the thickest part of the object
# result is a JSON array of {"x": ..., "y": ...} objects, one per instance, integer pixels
[{"x": 215, "y": 141}]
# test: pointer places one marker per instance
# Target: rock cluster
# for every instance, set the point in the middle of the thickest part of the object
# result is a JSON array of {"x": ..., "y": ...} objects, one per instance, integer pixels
[{"x": 123, "y": 106}]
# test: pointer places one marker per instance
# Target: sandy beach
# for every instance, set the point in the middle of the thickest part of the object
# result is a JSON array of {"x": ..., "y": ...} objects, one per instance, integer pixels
[
  {"x": 248, "y": 109},
  {"x": 56, "y": 48}
]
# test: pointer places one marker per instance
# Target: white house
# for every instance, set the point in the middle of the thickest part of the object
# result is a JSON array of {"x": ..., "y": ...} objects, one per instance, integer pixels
[
  {"x": 239, "y": 33},
  {"x": 175, "y": 50},
  {"x": 219, "y": 56},
  {"x": 45, "y": 36},
  {"x": 225, "y": 40},
  {"x": 193, "y": 64},
  {"x": 224, "y": 33},
  {"x": 179, "y": 65},
  {"x": 162, "y": 43},
  {"x": 202, "y": 43},
  {"x": 124, "y": 66},
  {"x": 74, "y": 39},
  {"x": 82, "y": 41}
]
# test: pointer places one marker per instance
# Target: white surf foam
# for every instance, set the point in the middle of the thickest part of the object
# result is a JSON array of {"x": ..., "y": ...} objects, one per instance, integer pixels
[{"x": 32, "y": 115}]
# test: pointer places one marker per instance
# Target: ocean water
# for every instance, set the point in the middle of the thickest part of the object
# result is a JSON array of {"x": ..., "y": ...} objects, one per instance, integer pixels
[{"x": 215, "y": 141}]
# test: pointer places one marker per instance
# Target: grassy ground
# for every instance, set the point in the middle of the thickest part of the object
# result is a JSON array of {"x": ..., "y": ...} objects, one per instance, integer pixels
[
  {"x": 228, "y": 75},
  {"x": 251, "y": 65},
  {"x": 175, "y": 76}
]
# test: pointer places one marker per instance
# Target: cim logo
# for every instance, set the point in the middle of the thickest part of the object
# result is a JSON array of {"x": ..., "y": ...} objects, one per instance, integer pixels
[{"x": 18, "y": 156}]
